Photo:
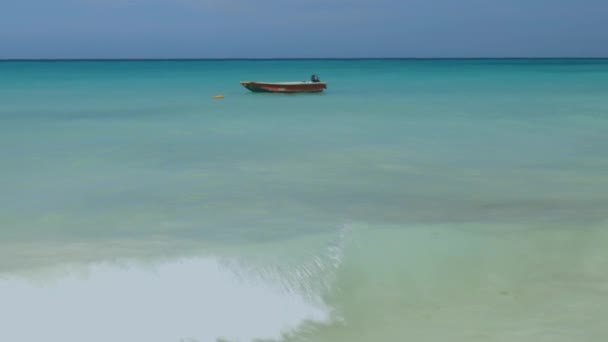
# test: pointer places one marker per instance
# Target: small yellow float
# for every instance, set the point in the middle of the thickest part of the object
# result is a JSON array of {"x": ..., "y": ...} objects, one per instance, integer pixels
[{"x": 220, "y": 96}]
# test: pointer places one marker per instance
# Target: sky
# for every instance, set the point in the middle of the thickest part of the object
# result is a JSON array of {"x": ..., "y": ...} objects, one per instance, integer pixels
[{"x": 40, "y": 29}]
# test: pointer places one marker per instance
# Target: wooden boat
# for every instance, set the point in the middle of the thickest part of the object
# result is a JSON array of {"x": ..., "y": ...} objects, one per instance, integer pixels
[{"x": 285, "y": 87}]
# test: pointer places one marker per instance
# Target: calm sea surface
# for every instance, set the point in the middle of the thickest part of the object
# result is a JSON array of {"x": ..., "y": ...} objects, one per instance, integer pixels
[{"x": 414, "y": 200}]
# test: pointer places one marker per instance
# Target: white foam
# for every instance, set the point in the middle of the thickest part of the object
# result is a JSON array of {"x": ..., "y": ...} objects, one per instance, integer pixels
[{"x": 185, "y": 300}]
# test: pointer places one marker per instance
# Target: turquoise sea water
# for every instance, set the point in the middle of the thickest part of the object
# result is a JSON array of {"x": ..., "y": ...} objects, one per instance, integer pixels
[{"x": 423, "y": 200}]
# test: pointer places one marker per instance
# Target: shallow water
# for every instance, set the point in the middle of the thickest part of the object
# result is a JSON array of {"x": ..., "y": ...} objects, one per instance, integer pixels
[{"x": 427, "y": 200}]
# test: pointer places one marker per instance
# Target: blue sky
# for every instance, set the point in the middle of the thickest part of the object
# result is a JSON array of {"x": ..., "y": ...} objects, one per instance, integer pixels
[{"x": 302, "y": 28}]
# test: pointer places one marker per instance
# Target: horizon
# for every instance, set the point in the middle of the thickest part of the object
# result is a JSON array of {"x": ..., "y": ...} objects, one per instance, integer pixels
[{"x": 296, "y": 59}]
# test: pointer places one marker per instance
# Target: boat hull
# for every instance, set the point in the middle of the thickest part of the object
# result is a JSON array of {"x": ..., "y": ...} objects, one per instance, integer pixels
[{"x": 286, "y": 87}]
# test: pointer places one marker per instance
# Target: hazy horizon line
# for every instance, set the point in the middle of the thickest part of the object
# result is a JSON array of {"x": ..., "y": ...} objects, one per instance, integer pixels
[{"x": 285, "y": 59}]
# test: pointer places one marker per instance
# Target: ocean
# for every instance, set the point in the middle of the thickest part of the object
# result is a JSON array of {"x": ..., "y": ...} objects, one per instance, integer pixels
[{"x": 414, "y": 200}]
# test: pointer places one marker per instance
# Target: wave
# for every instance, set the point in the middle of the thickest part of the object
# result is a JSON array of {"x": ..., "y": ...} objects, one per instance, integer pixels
[
  {"x": 311, "y": 278},
  {"x": 187, "y": 300}
]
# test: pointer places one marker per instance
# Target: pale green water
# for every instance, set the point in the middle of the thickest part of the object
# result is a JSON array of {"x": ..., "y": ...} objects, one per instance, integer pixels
[{"x": 414, "y": 200}]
